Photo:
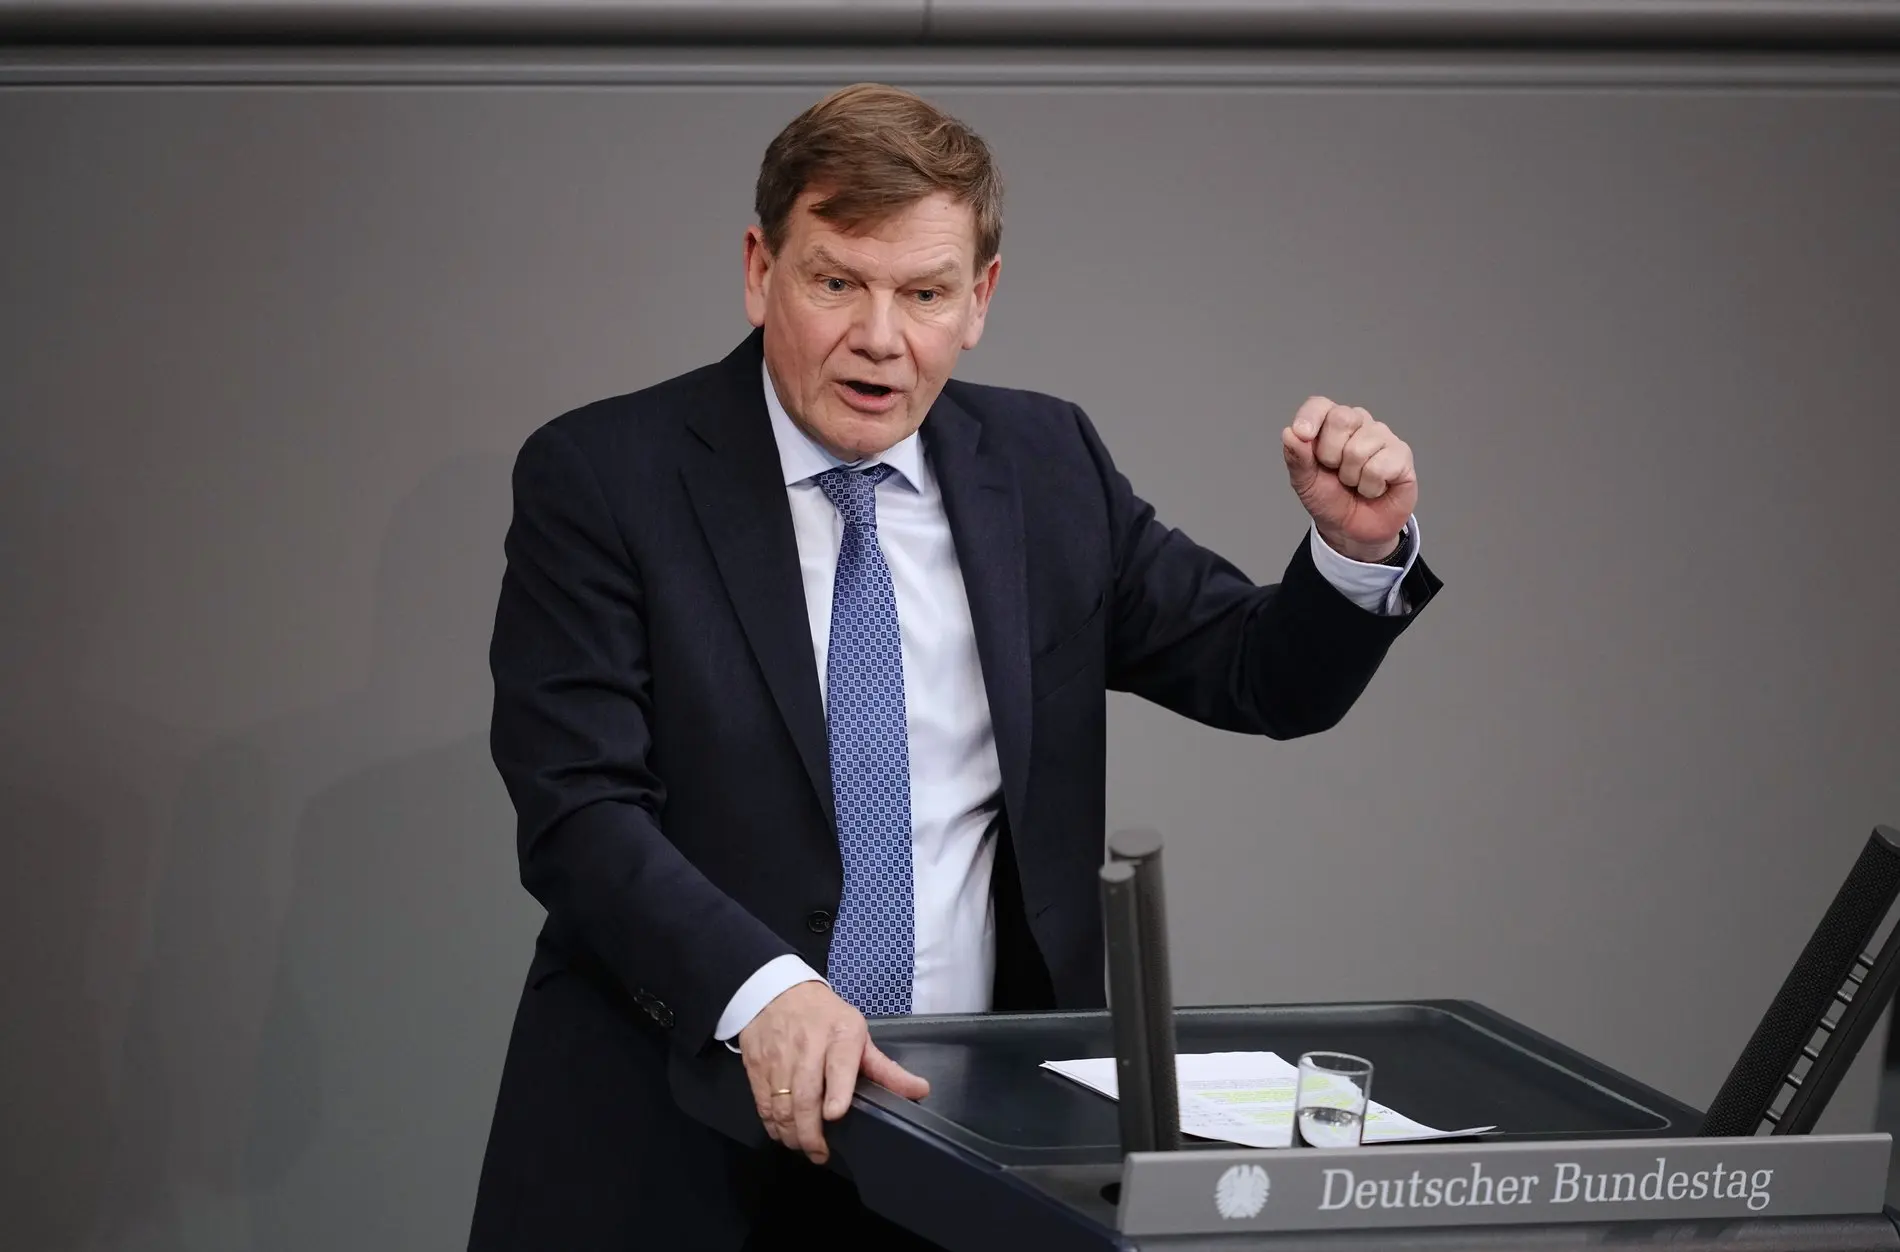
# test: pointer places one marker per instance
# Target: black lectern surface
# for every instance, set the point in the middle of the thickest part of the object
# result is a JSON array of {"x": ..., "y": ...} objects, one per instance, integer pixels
[
  {"x": 1443, "y": 1063},
  {"x": 1006, "y": 1155}
]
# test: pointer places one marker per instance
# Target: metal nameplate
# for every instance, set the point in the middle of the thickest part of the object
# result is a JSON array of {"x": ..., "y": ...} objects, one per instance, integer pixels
[{"x": 1476, "y": 1184}]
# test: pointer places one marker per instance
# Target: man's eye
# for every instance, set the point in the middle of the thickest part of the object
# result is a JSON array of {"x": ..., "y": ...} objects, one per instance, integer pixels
[
  {"x": 835, "y": 285},
  {"x": 929, "y": 295}
]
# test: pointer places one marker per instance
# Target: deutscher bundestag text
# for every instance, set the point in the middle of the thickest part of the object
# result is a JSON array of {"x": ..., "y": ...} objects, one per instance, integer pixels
[{"x": 1567, "y": 1183}]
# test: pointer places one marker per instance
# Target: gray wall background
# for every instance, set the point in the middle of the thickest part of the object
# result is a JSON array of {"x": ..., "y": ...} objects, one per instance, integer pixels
[{"x": 270, "y": 335}]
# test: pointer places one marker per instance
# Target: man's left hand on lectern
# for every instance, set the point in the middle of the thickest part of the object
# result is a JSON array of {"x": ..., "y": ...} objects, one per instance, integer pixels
[{"x": 803, "y": 1054}]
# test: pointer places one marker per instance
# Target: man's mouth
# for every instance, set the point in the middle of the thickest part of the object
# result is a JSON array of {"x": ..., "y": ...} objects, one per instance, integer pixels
[{"x": 867, "y": 389}]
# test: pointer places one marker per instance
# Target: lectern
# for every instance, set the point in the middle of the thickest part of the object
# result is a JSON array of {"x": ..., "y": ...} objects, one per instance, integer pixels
[{"x": 1006, "y": 1155}]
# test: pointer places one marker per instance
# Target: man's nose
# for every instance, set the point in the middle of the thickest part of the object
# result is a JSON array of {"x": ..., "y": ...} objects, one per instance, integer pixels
[{"x": 877, "y": 333}]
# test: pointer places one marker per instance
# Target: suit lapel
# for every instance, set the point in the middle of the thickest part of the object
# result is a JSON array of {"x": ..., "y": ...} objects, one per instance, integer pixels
[
  {"x": 737, "y": 487},
  {"x": 986, "y": 524},
  {"x": 738, "y": 492}
]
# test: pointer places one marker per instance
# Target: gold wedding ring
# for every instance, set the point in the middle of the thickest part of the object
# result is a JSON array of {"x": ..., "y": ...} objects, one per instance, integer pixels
[{"x": 783, "y": 1091}]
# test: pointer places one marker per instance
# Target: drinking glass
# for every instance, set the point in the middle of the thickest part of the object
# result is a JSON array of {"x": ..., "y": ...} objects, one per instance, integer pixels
[{"x": 1329, "y": 1107}]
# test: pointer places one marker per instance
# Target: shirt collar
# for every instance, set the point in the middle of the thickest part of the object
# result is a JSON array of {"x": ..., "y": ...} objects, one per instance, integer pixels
[{"x": 801, "y": 457}]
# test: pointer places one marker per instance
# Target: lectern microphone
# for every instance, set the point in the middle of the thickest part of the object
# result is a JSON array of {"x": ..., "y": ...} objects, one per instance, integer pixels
[
  {"x": 1832, "y": 971},
  {"x": 1141, "y": 994}
]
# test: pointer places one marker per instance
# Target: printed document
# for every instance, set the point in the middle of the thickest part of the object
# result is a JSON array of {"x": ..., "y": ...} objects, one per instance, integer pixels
[{"x": 1247, "y": 1098}]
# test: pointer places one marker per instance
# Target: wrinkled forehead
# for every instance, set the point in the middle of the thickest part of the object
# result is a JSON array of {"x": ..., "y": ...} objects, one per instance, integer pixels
[{"x": 928, "y": 234}]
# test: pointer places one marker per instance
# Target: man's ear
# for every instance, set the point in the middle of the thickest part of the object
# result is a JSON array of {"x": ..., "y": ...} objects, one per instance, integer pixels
[
  {"x": 758, "y": 274},
  {"x": 980, "y": 301}
]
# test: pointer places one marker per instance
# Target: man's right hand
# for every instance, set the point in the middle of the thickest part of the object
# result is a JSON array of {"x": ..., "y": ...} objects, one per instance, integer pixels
[{"x": 810, "y": 1043}]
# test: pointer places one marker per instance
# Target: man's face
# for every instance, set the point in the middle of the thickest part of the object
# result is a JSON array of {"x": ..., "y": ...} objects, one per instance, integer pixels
[{"x": 862, "y": 331}]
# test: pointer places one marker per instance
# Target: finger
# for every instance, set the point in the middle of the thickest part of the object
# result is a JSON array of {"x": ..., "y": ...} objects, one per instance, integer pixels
[
  {"x": 885, "y": 1072},
  {"x": 808, "y": 1091},
  {"x": 755, "y": 1075},
  {"x": 841, "y": 1073},
  {"x": 1392, "y": 464},
  {"x": 782, "y": 1085},
  {"x": 1340, "y": 424},
  {"x": 1306, "y": 421},
  {"x": 783, "y": 1128},
  {"x": 758, "y": 1074},
  {"x": 1301, "y": 468},
  {"x": 1407, "y": 469},
  {"x": 1365, "y": 442}
]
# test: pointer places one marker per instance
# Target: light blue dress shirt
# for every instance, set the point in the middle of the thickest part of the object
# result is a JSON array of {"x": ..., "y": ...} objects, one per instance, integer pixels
[{"x": 955, "y": 780}]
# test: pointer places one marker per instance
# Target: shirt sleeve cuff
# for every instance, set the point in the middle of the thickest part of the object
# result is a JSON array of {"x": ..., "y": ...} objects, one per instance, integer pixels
[
  {"x": 765, "y": 985},
  {"x": 1374, "y": 588}
]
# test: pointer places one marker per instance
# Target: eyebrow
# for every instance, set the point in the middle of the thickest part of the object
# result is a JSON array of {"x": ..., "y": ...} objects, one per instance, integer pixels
[{"x": 822, "y": 258}]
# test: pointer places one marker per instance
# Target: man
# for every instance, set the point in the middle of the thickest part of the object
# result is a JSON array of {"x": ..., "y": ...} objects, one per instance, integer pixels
[{"x": 800, "y": 668}]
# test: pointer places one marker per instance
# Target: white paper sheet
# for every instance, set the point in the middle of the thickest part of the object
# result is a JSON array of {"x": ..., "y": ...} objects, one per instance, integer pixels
[{"x": 1247, "y": 1098}]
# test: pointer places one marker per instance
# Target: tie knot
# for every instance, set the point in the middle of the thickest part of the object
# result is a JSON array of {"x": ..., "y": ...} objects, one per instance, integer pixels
[{"x": 854, "y": 492}]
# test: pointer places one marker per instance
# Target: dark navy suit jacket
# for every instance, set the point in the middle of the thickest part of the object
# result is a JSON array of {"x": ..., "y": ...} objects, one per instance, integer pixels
[{"x": 658, "y": 724}]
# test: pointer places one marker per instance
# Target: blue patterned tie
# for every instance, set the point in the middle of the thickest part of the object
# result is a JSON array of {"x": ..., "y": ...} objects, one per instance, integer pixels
[{"x": 873, "y": 941}]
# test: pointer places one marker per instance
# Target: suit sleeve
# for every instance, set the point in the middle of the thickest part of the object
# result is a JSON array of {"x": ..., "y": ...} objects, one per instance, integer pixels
[
  {"x": 1192, "y": 633},
  {"x": 570, "y": 738}
]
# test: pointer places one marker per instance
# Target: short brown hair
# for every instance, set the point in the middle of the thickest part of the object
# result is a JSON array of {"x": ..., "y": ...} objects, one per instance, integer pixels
[{"x": 875, "y": 150}]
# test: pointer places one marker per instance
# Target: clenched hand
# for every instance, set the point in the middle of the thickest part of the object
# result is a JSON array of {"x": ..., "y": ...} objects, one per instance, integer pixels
[{"x": 1353, "y": 475}]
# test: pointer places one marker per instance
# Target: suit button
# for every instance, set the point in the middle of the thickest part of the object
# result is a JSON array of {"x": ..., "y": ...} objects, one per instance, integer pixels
[{"x": 818, "y": 922}]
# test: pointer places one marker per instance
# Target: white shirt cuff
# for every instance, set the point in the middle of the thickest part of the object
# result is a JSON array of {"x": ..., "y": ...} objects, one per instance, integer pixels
[
  {"x": 1374, "y": 588},
  {"x": 765, "y": 986}
]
